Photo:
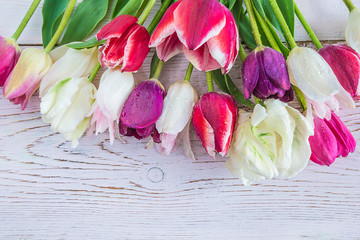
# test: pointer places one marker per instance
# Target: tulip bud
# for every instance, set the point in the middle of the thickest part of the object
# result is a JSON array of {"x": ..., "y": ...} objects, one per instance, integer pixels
[
  {"x": 114, "y": 89},
  {"x": 25, "y": 78},
  {"x": 9, "y": 55},
  {"x": 66, "y": 107},
  {"x": 352, "y": 31},
  {"x": 126, "y": 45},
  {"x": 74, "y": 64},
  {"x": 265, "y": 75},
  {"x": 345, "y": 63},
  {"x": 331, "y": 140},
  {"x": 270, "y": 142},
  {"x": 313, "y": 75},
  {"x": 176, "y": 114},
  {"x": 142, "y": 109},
  {"x": 214, "y": 120}
]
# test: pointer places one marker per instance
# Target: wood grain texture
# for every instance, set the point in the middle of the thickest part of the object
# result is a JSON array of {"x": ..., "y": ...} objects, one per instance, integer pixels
[{"x": 123, "y": 191}]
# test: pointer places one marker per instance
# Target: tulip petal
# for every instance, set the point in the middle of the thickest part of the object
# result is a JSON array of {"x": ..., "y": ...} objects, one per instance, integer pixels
[
  {"x": 201, "y": 58},
  {"x": 9, "y": 55},
  {"x": 185, "y": 138},
  {"x": 167, "y": 143},
  {"x": 198, "y": 21},
  {"x": 117, "y": 27},
  {"x": 224, "y": 47},
  {"x": 250, "y": 74},
  {"x": 136, "y": 49},
  {"x": 352, "y": 32},
  {"x": 168, "y": 48},
  {"x": 166, "y": 26}
]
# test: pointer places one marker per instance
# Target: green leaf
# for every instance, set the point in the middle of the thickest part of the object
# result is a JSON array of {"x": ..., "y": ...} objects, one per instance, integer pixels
[
  {"x": 93, "y": 42},
  {"x": 232, "y": 3},
  {"x": 154, "y": 63},
  {"x": 86, "y": 17},
  {"x": 219, "y": 80},
  {"x": 52, "y": 12},
  {"x": 282, "y": 47},
  {"x": 126, "y": 7}
]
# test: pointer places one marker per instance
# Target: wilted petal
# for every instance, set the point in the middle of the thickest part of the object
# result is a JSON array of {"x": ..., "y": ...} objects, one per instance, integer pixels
[
  {"x": 198, "y": 21},
  {"x": 352, "y": 31},
  {"x": 201, "y": 58},
  {"x": 117, "y": 27}
]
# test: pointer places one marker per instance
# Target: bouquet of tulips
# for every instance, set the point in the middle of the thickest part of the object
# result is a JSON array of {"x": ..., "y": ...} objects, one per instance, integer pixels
[{"x": 266, "y": 138}]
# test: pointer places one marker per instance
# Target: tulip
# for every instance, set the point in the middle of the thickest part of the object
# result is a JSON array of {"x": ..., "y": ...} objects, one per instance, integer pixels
[
  {"x": 270, "y": 142},
  {"x": 345, "y": 63},
  {"x": 175, "y": 117},
  {"x": 313, "y": 75},
  {"x": 142, "y": 109},
  {"x": 205, "y": 30},
  {"x": 9, "y": 55},
  {"x": 66, "y": 107},
  {"x": 331, "y": 140},
  {"x": 114, "y": 89},
  {"x": 74, "y": 64},
  {"x": 25, "y": 78},
  {"x": 214, "y": 120},
  {"x": 265, "y": 75},
  {"x": 352, "y": 31},
  {"x": 126, "y": 45}
]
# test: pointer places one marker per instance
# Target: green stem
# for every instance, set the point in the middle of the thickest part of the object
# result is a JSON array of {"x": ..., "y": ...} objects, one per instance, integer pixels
[
  {"x": 26, "y": 19},
  {"x": 283, "y": 23},
  {"x": 307, "y": 27},
  {"x": 94, "y": 72},
  {"x": 209, "y": 82},
  {"x": 242, "y": 52},
  {"x": 189, "y": 72},
  {"x": 300, "y": 97},
  {"x": 141, "y": 9},
  {"x": 146, "y": 12},
  {"x": 62, "y": 25},
  {"x": 267, "y": 31},
  {"x": 253, "y": 23},
  {"x": 158, "y": 15},
  {"x": 158, "y": 69},
  {"x": 349, "y": 5}
]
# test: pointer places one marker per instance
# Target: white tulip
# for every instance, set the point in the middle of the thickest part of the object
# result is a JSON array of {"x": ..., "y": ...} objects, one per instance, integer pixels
[
  {"x": 73, "y": 64},
  {"x": 66, "y": 107},
  {"x": 114, "y": 89},
  {"x": 270, "y": 142},
  {"x": 352, "y": 31},
  {"x": 315, "y": 78},
  {"x": 175, "y": 117}
]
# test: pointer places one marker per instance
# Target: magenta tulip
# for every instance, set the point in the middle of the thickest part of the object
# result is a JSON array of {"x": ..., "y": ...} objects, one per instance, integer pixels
[
  {"x": 142, "y": 109},
  {"x": 126, "y": 45},
  {"x": 214, "y": 119},
  {"x": 205, "y": 30},
  {"x": 345, "y": 63},
  {"x": 331, "y": 140},
  {"x": 9, "y": 55},
  {"x": 265, "y": 75}
]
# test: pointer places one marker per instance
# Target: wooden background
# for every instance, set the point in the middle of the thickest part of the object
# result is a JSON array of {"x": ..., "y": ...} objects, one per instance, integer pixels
[{"x": 100, "y": 191}]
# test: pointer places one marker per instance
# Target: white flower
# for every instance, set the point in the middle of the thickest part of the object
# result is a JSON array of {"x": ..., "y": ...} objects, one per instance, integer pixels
[
  {"x": 352, "y": 31},
  {"x": 270, "y": 142},
  {"x": 114, "y": 89},
  {"x": 73, "y": 64},
  {"x": 67, "y": 105},
  {"x": 175, "y": 117},
  {"x": 313, "y": 75}
]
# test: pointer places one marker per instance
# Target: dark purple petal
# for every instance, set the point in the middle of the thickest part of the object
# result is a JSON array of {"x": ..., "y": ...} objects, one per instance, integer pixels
[{"x": 250, "y": 74}]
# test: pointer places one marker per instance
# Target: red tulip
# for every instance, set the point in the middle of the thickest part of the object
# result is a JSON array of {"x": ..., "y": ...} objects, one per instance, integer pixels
[
  {"x": 214, "y": 119},
  {"x": 345, "y": 63},
  {"x": 331, "y": 140},
  {"x": 205, "y": 30},
  {"x": 126, "y": 45}
]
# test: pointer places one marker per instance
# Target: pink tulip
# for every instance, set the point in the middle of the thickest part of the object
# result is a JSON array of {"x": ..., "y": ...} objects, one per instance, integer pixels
[
  {"x": 142, "y": 109},
  {"x": 9, "y": 55},
  {"x": 214, "y": 119},
  {"x": 345, "y": 63},
  {"x": 205, "y": 30},
  {"x": 331, "y": 140},
  {"x": 126, "y": 45}
]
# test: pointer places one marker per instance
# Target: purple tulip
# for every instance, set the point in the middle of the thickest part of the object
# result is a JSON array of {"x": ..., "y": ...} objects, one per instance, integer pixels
[
  {"x": 331, "y": 140},
  {"x": 345, "y": 63},
  {"x": 142, "y": 109},
  {"x": 9, "y": 55},
  {"x": 265, "y": 75}
]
